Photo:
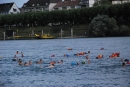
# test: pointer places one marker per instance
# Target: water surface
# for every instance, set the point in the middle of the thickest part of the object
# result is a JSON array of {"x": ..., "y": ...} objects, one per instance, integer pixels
[{"x": 105, "y": 72}]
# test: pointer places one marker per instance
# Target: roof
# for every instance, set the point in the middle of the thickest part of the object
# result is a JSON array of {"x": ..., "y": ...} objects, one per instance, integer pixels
[
  {"x": 84, "y": 1},
  {"x": 66, "y": 3},
  {"x": 5, "y": 7},
  {"x": 55, "y": 1},
  {"x": 32, "y": 3}
]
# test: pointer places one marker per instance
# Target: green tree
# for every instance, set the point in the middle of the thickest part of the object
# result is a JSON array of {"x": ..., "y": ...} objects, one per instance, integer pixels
[
  {"x": 124, "y": 30},
  {"x": 102, "y": 25}
]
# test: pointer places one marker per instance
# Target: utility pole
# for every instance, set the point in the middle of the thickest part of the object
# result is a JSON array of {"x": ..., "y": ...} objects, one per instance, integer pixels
[
  {"x": 42, "y": 32},
  {"x": 4, "y": 35},
  {"x": 13, "y": 35},
  {"x": 71, "y": 33},
  {"x": 61, "y": 33}
]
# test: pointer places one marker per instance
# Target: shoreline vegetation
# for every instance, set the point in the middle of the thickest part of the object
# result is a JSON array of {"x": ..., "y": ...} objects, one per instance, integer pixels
[
  {"x": 97, "y": 21},
  {"x": 79, "y": 31}
]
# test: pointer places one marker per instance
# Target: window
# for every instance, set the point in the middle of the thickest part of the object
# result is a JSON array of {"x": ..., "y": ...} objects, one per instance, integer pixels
[
  {"x": 46, "y": 3},
  {"x": 32, "y": 4},
  {"x": 60, "y": 8},
  {"x": 14, "y": 9},
  {"x": 37, "y": 4}
]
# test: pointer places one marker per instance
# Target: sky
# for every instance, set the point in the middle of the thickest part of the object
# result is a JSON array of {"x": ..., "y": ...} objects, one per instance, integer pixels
[{"x": 19, "y": 3}]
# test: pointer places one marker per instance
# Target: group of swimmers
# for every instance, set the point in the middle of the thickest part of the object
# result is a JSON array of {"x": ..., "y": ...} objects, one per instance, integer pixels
[
  {"x": 16, "y": 58},
  {"x": 22, "y": 55},
  {"x": 52, "y": 63},
  {"x": 113, "y": 55}
]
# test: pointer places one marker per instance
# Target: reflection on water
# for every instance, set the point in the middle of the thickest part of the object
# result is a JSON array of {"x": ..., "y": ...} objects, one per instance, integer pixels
[{"x": 105, "y": 72}]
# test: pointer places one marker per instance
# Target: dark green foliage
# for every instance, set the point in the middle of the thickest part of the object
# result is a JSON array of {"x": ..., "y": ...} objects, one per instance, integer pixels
[
  {"x": 102, "y": 26},
  {"x": 123, "y": 30},
  {"x": 118, "y": 12}
]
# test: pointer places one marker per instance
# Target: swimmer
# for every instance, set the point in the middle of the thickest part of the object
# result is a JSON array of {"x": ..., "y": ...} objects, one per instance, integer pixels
[
  {"x": 83, "y": 62},
  {"x": 99, "y": 56},
  {"x": 66, "y": 55},
  {"x": 60, "y": 62},
  {"x": 51, "y": 66},
  {"x": 22, "y": 55},
  {"x": 81, "y": 53},
  {"x": 13, "y": 59},
  {"x": 17, "y": 52},
  {"x": 88, "y": 51},
  {"x": 87, "y": 57},
  {"x": 102, "y": 49},
  {"x": 128, "y": 62},
  {"x": 117, "y": 54},
  {"x": 69, "y": 48},
  {"x": 20, "y": 62},
  {"x": 52, "y": 55},
  {"x": 39, "y": 62},
  {"x": 15, "y": 56},
  {"x": 30, "y": 62},
  {"x": 53, "y": 62},
  {"x": 89, "y": 61},
  {"x": 123, "y": 64},
  {"x": 74, "y": 63},
  {"x": 26, "y": 64},
  {"x": 77, "y": 54},
  {"x": 122, "y": 60},
  {"x": 114, "y": 55}
]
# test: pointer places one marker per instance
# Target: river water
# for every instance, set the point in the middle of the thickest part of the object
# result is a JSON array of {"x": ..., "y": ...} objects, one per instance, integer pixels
[{"x": 105, "y": 72}]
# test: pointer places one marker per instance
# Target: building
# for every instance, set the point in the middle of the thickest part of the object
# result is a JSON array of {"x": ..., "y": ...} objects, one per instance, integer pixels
[
  {"x": 9, "y": 8},
  {"x": 91, "y": 2},
  {"x": 53, "y": 3},
  {"x": 39, "y": 5},
  {"x": 114, "y": 1},
  {"x": 49, "y": 5},
  {"x": 120, "y": 1},
  {"x": 73, "y": 4},
  {"x": 67, "y": 4}
]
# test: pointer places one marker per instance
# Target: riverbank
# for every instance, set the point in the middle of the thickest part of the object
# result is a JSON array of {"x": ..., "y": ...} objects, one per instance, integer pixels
[
  {"x": 42, "y": 38},
  {"x": 78, "y": 30}
]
